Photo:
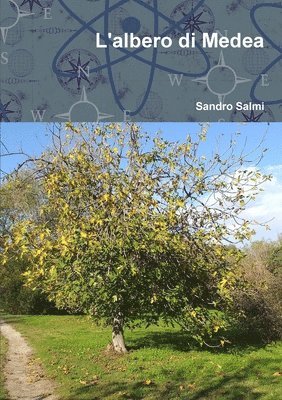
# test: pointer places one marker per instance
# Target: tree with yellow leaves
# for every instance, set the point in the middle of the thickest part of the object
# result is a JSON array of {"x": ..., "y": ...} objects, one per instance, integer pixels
[{"x": 134, "y": 227}]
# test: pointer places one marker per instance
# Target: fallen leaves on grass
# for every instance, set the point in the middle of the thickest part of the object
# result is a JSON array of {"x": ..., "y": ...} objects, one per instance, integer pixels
[
  {"x": 93, "y": 381},
  {"x": 192, "y": 386}
]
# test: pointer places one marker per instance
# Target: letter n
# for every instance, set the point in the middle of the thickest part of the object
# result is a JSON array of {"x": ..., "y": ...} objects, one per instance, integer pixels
[{"x": 85, "y": 71}]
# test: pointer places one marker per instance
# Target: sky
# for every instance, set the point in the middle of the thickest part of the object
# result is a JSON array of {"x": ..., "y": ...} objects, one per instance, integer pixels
[{"x": 33, "y": 138}]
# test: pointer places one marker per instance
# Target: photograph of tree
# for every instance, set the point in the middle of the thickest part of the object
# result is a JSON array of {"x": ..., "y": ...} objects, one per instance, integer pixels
[{"x": 141, "y": 261}]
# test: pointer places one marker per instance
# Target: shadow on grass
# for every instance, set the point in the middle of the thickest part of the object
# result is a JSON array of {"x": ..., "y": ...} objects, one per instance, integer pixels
[
  {"x": 247, "y": 381},
  {"x": 174, "y": 340},
  {"x": 181, "y": 341},
  {"x": 233, "y": 386}
]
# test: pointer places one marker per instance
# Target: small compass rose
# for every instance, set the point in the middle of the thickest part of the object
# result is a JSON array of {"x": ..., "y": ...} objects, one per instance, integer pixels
[
  {"x": 99, "y": 116},
  {"x": 78, "y": 71},
  {"x": 10, "y": 107},
  {"x": 4, "y": 110},
  {"x": 195, "y": 20},
  {"x": 215, "y": 77},
  {"x": 20, "y": 14},
  {"x": 194, "y": 23},
  {"x": 252, "y": 117},
  {"x": 75, "y": 68},
  {"x": 31, "y": 3}
]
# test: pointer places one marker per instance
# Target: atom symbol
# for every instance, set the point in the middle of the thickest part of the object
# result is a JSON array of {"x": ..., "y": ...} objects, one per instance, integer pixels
[
  {"x": 84, "y": 101},
  {"x": 126, "y": 54},
  {"x": 20, "y": 14},
  {"x": 221, "y": 66},
  {"x": 273, "y": 44}
]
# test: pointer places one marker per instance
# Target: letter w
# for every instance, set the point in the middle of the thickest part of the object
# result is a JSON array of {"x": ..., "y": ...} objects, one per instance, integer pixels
[
  {"x": 174, "y": 78},
  {"x": 38, "y": 115}
]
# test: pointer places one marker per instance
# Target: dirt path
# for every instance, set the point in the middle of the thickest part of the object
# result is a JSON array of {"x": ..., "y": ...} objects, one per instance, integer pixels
[{"x": 24, "y": 376}]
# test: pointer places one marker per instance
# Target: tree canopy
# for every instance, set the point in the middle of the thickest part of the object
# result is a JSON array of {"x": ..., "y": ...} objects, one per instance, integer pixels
[{"x": 134, "y": 228}]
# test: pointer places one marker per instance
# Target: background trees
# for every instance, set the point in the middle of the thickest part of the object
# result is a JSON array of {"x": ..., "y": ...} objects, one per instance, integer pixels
[
  {"x": 20, "y": 200},
  {"x": 259, "y": 301},
  {"x": 134, "y": 228}
]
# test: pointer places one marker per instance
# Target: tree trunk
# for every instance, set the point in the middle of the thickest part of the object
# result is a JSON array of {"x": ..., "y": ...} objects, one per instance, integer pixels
[{"x": 117, "y": 336}]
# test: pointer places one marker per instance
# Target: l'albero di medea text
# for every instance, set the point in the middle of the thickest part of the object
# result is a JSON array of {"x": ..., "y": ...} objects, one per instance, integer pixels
[{"x": 214, "y": 40}]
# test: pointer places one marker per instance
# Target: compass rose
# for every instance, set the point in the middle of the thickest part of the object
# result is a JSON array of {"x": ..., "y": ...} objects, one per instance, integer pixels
[
  {"x": 10, "y": 107},
  {"x": 98, "y": 116},
  {"x": 31, "y": 3},
  {"x": 216, "y": 73},
  {"x": 4, "y": 110},
  {"x": 194, "y": 19},
  {"x": 194, "y": 23},
  {"x": 78, "y": 71},
  {"x": 20, "y": 14},
  {"x": 252, "y": 117}
]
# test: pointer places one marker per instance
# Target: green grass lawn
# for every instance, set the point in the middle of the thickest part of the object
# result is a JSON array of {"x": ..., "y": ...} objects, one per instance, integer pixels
[
  {"x": 159, "y": 366},
  {"x": 3, "y": 350}
]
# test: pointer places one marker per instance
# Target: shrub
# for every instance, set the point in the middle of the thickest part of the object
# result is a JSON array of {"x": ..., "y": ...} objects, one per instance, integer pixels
[
  {"x": 259, "y": 302},
  {"x": 15, "y": 298}
]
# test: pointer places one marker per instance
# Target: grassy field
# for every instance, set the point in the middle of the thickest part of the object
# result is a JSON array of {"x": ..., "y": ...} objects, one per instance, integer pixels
[
  {"x": 3, "y": 350},
  {"x": 159, "y": 366}
]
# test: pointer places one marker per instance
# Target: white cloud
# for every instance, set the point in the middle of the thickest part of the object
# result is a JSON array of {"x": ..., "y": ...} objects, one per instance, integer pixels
[{"x": 268, "y": 205}]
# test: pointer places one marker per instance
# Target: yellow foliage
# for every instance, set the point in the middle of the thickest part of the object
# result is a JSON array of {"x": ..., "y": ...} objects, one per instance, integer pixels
[
  {"x": 64, "y": 241},
  {"x": 83, "y": 234}
]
